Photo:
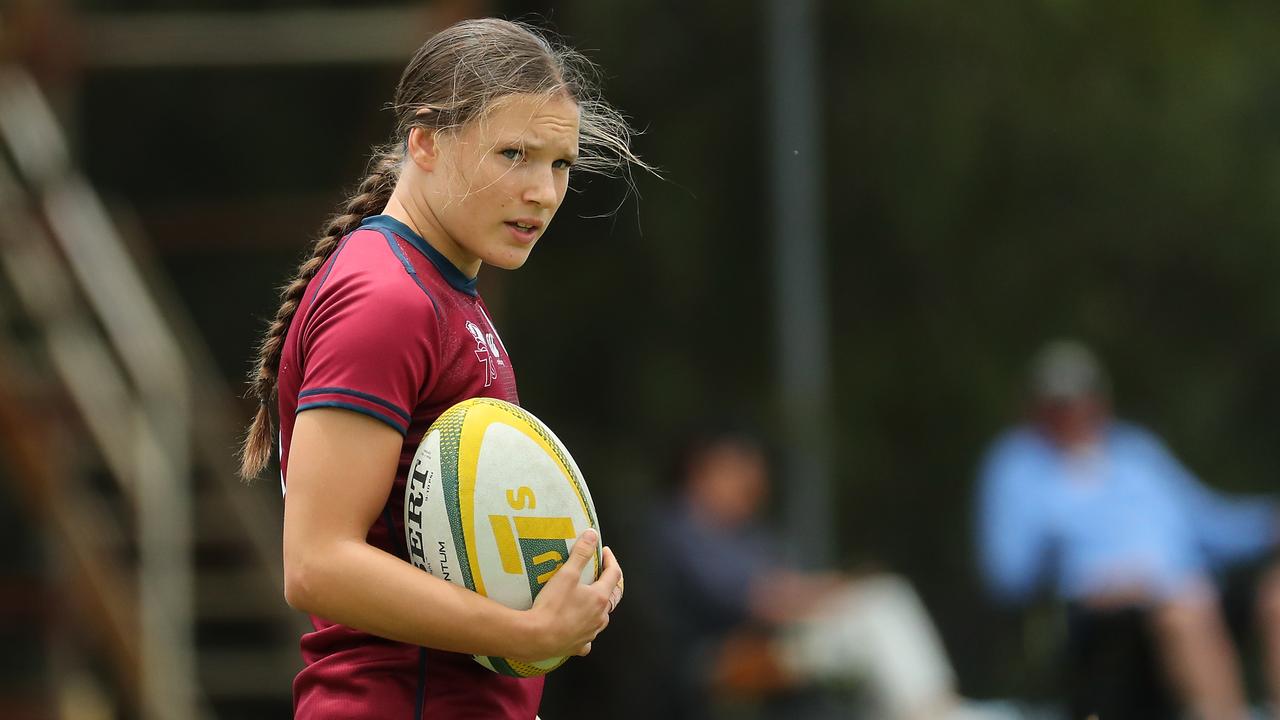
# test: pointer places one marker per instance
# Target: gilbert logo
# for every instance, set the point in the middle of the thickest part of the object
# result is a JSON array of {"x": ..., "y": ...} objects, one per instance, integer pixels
[{"x": 486, "y": 352}]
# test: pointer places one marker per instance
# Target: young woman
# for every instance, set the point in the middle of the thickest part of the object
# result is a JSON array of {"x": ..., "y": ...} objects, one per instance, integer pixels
[{"x": 380, "y": 332}]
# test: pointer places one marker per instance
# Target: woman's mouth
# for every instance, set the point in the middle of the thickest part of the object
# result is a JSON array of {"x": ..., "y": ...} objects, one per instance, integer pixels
[
  {"x": 523, "y": 232},
  {"x": 524, "y": 229}
]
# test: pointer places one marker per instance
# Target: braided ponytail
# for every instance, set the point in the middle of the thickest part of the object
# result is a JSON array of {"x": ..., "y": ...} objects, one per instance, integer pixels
[{"x": 369, "y": 199}]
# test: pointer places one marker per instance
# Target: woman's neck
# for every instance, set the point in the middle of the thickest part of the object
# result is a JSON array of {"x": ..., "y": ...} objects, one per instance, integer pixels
[{"x": 419, "y": 217}]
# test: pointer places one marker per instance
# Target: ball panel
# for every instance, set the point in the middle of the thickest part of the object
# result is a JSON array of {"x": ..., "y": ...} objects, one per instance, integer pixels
[
  {"x": 553, "y": 447},
  {"x": 521, "y": 490},
  {"x": 515, "y": 668},
  {"x": 520, "y": 419},
  {"x": 553, "y": 444},
  {"x": 469, "y": 445},
  {"x": 542, "y": 667},
  {"x": 451, "y": 425},
  {"x": 423, "y": 478}
]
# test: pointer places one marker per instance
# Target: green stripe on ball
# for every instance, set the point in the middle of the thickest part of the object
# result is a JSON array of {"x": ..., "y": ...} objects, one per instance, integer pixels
[{"x": 450, "y": 440}]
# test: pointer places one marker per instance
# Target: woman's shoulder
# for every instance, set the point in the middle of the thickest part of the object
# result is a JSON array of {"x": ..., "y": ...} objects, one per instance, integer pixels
[{"x": 365, "y": 268}]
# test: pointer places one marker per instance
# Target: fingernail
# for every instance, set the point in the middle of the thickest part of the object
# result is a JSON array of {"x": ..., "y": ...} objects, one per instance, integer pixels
[{"x": 591, "y": 536}]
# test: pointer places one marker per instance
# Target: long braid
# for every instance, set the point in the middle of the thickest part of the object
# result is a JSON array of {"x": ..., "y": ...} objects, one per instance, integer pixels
[{"x": 369, "y": 199}]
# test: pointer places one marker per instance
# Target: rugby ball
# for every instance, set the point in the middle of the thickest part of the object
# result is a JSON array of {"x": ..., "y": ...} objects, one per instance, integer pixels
[{"x": 493, "y": 503}]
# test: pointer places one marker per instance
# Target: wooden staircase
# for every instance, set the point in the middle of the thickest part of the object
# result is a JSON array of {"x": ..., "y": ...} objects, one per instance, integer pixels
[{"x": 161, "y": 593}]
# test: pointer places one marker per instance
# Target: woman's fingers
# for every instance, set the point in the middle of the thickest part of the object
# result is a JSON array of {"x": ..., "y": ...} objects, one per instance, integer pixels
[
  {"x": 610, "y": 572},
  {"x": 615, "y": 593},
  {"x": 581, "y": 553},
  {"x": 583, "y": 610}
]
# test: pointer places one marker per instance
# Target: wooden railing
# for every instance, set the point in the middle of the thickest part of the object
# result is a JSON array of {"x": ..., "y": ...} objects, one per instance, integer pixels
[{"x": 124, "y": 372}]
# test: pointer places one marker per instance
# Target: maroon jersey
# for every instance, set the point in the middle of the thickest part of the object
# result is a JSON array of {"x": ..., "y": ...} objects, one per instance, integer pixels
[{"x": 391, "y": 329}]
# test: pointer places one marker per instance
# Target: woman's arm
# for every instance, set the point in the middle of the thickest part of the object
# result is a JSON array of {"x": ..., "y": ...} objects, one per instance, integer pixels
[{"x": 341, "y": 469}]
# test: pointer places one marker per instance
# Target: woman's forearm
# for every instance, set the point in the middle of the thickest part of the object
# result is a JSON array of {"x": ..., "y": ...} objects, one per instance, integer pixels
[{"x": 355, "y": 584}]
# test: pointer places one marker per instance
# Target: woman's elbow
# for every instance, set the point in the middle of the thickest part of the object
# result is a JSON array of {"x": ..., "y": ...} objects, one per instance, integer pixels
[{"x": 300, "y": 581}]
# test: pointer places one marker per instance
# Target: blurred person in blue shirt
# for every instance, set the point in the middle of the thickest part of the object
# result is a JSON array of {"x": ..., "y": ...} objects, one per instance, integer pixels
[{"x": 1104, "y": 515}]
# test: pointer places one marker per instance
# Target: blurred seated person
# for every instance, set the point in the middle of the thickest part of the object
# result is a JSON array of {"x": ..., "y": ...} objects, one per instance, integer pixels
[
  {"x": 748, "y": 628},
  {"x": 1099, "y": 511}
]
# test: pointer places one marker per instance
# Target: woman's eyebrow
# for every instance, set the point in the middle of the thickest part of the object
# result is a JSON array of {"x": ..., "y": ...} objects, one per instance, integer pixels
[{"x": 531, "y": 145}]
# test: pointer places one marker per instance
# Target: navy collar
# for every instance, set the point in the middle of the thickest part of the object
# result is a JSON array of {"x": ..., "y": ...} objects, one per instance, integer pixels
[{"x": 451, "y": 273}]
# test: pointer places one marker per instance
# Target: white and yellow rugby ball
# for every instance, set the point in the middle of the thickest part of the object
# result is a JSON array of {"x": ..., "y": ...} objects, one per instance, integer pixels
[{"x": 493, "y": 502}]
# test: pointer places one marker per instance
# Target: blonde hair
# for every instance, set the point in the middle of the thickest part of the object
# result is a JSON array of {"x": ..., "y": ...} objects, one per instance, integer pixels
[{"x": 454, "y": 79}]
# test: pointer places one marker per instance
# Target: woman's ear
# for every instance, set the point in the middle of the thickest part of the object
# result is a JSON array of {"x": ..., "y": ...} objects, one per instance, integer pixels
[{"x": 424, "y": 148}]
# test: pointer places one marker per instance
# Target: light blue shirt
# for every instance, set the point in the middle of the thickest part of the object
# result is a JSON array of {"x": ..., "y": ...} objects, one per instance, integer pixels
[{"x": 1123, "y": 513}]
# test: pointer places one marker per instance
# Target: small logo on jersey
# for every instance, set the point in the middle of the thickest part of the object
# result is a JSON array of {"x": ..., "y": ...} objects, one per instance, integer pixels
[
  {"x": 493, "y": 348},
  {"x": 485, "y": 353}
]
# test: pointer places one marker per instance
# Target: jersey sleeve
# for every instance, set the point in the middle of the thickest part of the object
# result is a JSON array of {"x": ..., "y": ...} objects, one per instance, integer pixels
[{"x": 367, "y": 347}]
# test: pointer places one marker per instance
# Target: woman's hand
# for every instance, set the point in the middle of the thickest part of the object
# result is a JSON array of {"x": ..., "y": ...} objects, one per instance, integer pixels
[{"x": 567, "y": 615}]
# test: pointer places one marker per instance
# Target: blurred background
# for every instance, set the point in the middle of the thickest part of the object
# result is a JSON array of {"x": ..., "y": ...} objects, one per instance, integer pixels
[{"x": 872, "y": 215}]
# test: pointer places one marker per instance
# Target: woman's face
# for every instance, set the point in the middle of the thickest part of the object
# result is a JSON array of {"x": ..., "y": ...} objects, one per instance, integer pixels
[{"x": 499, "y": 180}]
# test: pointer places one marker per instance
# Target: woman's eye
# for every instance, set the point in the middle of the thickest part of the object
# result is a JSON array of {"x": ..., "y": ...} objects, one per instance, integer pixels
[
  {"x": 562, "y": 164},
  {"x": 511, "y": 154}
]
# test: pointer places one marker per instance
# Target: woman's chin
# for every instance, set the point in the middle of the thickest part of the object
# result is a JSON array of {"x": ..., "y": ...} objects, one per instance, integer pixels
[{"x": 513, "y": 261}]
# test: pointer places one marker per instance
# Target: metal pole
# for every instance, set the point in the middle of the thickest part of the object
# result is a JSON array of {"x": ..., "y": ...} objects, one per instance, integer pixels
[{"x": 799, "y": 277}]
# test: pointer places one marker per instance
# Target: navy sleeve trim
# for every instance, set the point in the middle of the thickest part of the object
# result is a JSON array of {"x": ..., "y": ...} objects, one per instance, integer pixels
[
  {"x": 357, "y": 394},
  {"x": 408, "y": 267},
  {"x": 356, "y": 408}
]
